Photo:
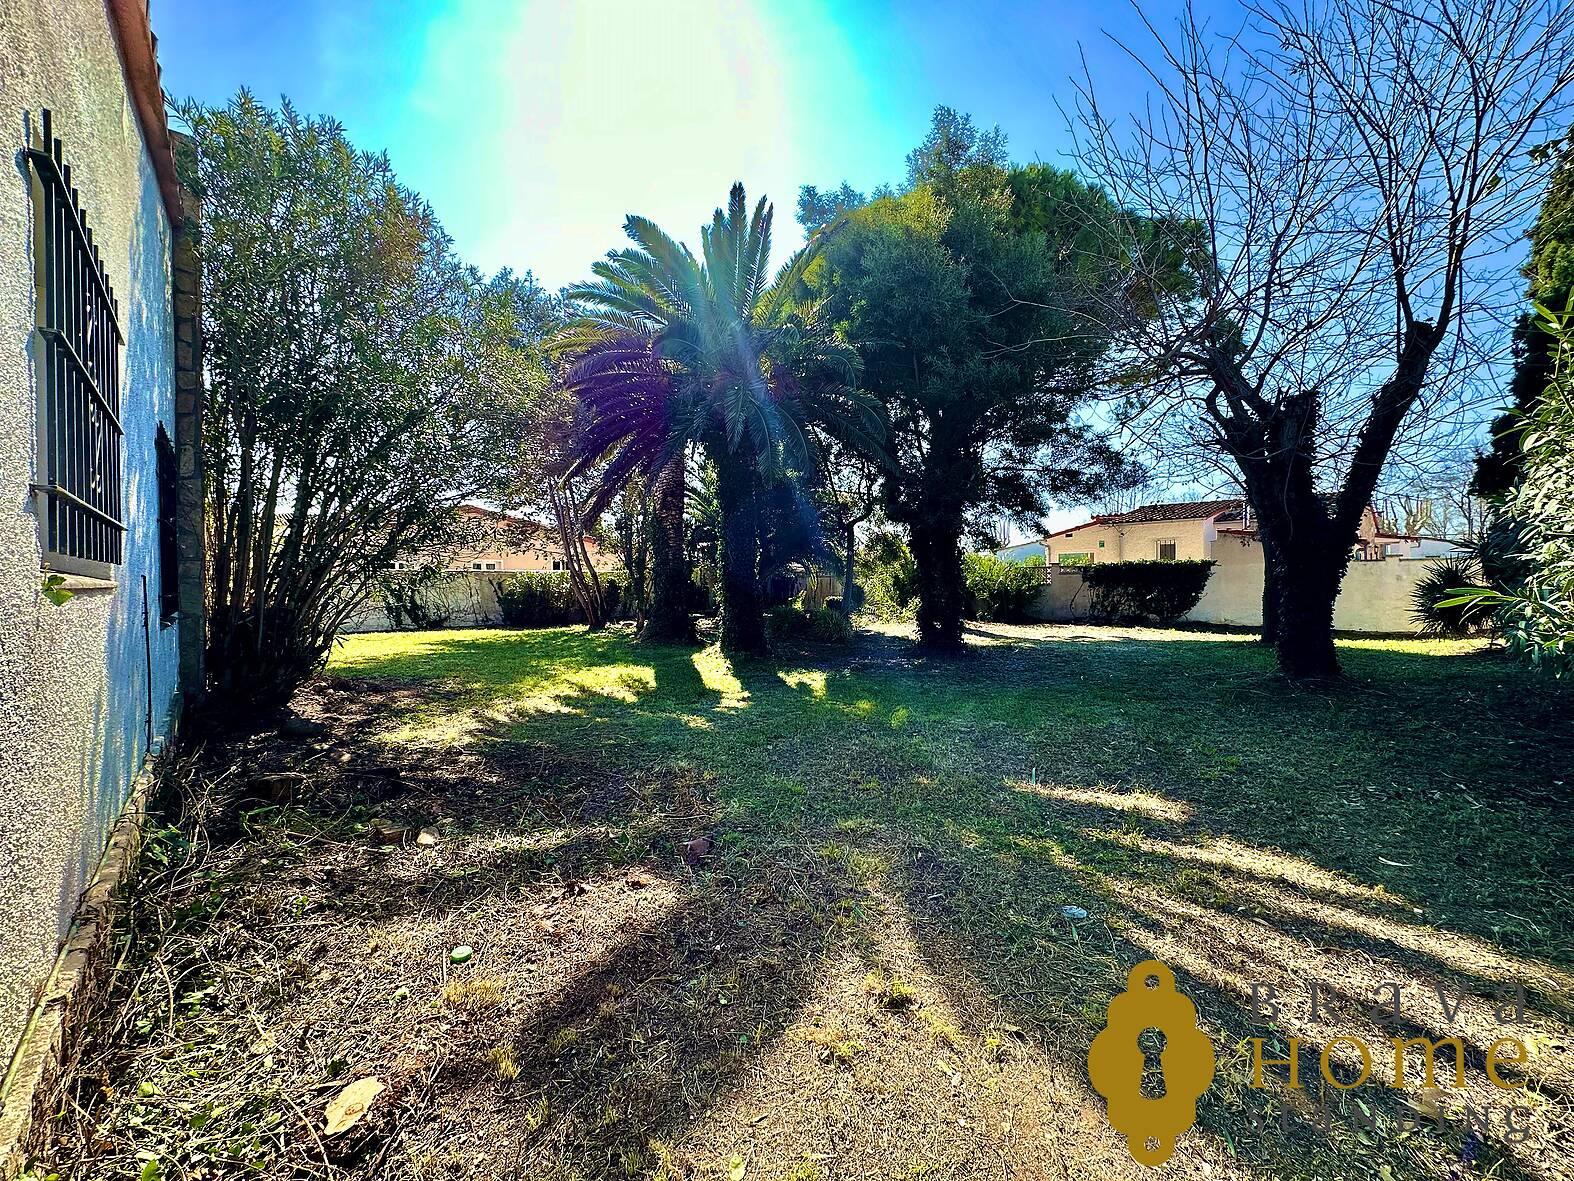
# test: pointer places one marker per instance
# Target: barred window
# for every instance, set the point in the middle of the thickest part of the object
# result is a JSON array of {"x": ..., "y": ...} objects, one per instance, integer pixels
[{"x": 78, "y": 364}]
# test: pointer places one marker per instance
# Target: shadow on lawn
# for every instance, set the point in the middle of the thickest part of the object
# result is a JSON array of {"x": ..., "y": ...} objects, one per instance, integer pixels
[
  {"x": 1247, "y": 834},
  {"x": 1230, "y": 915},
  {"x": 915, "y": 778}
]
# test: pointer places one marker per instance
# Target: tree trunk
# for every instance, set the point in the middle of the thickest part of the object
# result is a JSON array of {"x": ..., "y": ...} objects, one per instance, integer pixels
[
  {"x": 668, "y": 617},
  {"x": 1309, "y": 585},
  {"x": 851, "y": 541},
  {"x": 937, "y": 554},
  {"x": 571, "y": 541},
  {"x": 742, "y": 605},
  {"x": 1272, "y": 591}
]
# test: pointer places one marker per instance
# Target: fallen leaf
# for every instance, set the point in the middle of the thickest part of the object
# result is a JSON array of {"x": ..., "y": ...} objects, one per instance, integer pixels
[
  {"x": 426, "y": 838},
  {"x": 736, "y": 1168},
  {"x": 350, "y": 1105}
]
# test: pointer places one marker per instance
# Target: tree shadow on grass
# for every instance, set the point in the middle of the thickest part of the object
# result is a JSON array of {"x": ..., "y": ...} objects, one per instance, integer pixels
[
  {"x": 616, "y": 998},
  {"x": 938, "y": 815}
]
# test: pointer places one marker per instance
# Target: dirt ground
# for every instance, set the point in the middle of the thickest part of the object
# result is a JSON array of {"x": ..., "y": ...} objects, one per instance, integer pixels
[{"x": 575, "y": 909}]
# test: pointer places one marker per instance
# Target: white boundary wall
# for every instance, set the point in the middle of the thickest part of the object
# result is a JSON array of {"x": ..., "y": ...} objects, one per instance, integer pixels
[{"x": 1374, "y": 596}]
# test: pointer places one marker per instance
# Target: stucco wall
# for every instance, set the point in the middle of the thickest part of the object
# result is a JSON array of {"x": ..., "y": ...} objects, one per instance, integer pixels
[
  {"x": 468, "y": 598},
  {"x": 1132, "y": 543},
  {"x": 74, "y": 680},
  {"x": 1374, "y": 597}
]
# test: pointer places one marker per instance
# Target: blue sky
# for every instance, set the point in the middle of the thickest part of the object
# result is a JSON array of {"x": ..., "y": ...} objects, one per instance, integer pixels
[{"x": 534, "y": 128}]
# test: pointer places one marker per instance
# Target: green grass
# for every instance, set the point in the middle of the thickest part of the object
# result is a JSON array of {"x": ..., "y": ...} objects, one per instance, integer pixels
[
  {"x": 1407, "y": 825},
  {"x": 1433, "y": 748}
]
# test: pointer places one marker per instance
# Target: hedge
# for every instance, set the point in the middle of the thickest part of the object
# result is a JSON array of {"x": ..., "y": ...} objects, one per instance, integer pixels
[
  {"x": 1133, "y": 591},
  {"x": 541, "y": 599}
]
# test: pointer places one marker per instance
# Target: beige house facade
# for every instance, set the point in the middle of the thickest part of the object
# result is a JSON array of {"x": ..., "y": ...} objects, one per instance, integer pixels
[
  {"x": 498, "y": 543},
  {"x": 1190, "y": 531},
  {"x": 1375, "y": 596}
]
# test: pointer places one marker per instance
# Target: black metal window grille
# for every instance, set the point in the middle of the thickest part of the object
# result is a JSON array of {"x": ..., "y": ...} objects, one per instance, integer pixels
[{"x": 77, "y": 321}]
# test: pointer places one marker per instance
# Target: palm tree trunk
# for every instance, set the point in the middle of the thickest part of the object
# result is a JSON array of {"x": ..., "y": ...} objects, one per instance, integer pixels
[
  {"x": 742, "y": 605},
  {"x": 668, "y": 616},
  {"x": 937, "y": 555}
]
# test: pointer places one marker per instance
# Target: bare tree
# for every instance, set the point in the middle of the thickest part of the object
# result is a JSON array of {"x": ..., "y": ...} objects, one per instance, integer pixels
[
  {"x": 1343, "y": 180},
  {"x": 543, "y": 484},
  {"x": 850, "y": 495}
]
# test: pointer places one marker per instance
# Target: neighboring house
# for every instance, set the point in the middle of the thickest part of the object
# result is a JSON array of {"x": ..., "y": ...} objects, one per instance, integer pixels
[
  {"x": 493, "y": 546},
  {"x": 1375, "y": 595},
  {"x": 1189, "y": 529},
  {"x": 99, "y": 484},
  {"x": 506, "y": 544}
]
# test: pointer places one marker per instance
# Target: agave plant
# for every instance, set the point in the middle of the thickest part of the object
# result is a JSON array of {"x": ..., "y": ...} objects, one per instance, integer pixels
[{"x": 673, "y": 349}]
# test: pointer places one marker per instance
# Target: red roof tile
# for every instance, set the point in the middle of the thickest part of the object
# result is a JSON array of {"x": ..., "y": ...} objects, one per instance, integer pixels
[{"x": 1185, "y": 510}]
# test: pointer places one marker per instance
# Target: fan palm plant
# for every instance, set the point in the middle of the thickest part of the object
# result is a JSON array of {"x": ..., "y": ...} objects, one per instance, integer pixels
[{"x": 673, "y": 349}]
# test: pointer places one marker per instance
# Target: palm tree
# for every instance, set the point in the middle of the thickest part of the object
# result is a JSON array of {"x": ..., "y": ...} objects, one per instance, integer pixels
[
  {"x": 625, "y": 395},
  {"x": 673, "y": 349}
]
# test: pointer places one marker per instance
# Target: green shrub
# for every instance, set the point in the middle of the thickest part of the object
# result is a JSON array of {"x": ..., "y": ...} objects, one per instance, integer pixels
[
  {"x": 1437, "y": 606},
  {"x": 888, "y": 577},
  {"x": 1539, "y": 622},
  {"x": 821, "y": 624},
  {"x": 1136, "y": 591},
  {"x": 1529, "y": 550},
  {"x": 1001, "y": 591},
  {"x": 538, "y": 599}
]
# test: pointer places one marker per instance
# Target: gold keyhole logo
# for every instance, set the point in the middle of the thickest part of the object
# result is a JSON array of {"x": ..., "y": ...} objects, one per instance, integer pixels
[{"x": 1115, "y": 1062}]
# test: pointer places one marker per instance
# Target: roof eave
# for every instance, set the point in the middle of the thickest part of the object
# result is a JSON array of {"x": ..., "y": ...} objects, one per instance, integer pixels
[{"x": 139, "y": 62}]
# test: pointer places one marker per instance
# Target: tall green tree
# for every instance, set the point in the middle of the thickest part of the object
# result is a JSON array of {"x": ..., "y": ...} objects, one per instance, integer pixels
[
  {"x": 1550, "y": 273},
  {"x": 675, "y": 348},
  {"x": 1535, "y": 598},
  {"x": 357, "y": 375},
  {"x": 970, "y": 301}
]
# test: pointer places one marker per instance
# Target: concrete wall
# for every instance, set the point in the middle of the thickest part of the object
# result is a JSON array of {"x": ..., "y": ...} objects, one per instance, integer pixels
[
  {"x": 1374, "y": 597},
  {"x": 75, "y": 680}
]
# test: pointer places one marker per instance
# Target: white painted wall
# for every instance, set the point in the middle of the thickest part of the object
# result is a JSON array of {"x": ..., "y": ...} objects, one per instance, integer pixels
[
  {"x": 468, "y": 597},
  {"x": 74, "y": 680},
  {"x": 1374, "y": 597}
]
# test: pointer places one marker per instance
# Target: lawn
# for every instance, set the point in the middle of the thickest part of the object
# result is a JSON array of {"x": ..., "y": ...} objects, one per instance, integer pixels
[{"x": 847, "y": 913}]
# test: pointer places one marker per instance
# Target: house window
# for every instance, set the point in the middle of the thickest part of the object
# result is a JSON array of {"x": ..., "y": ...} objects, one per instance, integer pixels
[
  {"x": 1167, "y": 550},
  {"x": 168, "y": 552},
  {"x": 1076, "y": 559},
  {"x": 77, "y": 358},
  {"x": 557, "y": 564},
  {"x": 483, "y": 565}
]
